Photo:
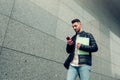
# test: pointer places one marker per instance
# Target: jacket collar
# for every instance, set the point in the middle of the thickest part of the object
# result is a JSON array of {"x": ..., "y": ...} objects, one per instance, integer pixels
[{"x": 80, "y": 32}]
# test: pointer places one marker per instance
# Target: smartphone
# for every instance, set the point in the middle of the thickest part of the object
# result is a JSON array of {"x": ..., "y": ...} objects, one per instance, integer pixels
[{"x": 68, "y": 38}]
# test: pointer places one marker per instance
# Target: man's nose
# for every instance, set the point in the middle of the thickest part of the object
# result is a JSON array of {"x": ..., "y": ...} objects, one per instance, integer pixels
[{"x": 74, "y": 27}]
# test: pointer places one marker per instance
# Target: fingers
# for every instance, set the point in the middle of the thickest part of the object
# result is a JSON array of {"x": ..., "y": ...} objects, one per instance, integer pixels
[
  {"x": 70, "y": 42},
  {"x": 78, "y": 45}
]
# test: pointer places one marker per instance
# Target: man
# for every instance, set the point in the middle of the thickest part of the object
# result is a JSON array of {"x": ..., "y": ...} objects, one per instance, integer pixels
[{"x": 79, "y": 65}]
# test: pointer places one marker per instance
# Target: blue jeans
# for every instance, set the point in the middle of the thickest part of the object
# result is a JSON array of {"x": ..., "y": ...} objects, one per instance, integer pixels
[{"x": 82, "y": 71}]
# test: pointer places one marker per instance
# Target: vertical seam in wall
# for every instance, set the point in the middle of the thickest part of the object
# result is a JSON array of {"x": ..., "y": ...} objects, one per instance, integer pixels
[
  {"x": 59, "y": 3},
  {"x": 7, "y": 27}
]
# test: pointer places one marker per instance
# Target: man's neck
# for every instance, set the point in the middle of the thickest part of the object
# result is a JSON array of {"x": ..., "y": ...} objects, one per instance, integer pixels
[{"x": 81, "y": 30}]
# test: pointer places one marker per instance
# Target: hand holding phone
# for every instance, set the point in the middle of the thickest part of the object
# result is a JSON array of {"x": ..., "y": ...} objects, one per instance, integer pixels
[{"x": 69, "y": 40}]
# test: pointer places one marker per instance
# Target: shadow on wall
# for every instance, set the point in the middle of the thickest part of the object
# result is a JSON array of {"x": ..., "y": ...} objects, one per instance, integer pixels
[
  {"x": 101, "y": 12},
  {"x": 117, "y": 76}
]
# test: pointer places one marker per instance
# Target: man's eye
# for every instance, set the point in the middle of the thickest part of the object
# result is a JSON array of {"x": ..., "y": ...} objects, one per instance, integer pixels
[{"x": 75, "y": 26}]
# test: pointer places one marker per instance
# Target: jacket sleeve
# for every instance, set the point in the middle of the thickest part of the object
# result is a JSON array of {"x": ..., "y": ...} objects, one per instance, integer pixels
[
  {"x": 70, "y": 48},
  {"x": 92, "y": 47}
]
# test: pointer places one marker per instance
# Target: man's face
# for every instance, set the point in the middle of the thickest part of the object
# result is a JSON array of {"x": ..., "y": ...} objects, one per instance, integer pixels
[{"x": 76, "y": 26}]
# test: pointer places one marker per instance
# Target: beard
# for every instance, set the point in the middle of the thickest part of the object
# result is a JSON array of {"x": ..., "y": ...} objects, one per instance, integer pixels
[{"x": 77, "y": 30}]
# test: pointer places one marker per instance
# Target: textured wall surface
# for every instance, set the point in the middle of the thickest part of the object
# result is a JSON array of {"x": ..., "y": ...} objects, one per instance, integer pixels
[{"x": 32, "y": 40}]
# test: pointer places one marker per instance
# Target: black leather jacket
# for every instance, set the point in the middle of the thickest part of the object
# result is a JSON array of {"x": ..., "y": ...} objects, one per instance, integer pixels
[{"x": 83, "y": 59}]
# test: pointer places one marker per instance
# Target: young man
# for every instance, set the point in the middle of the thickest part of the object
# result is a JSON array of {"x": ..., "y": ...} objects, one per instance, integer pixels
[{"x": 77, "y": 64}]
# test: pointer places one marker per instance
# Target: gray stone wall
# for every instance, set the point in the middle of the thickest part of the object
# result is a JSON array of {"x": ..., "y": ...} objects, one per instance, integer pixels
[{"x": 32, "y": 40}]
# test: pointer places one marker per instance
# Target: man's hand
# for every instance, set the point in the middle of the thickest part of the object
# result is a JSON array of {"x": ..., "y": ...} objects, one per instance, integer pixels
[
  {"x": 78, "y": 45},
  {"x": 70, "y": 42}
]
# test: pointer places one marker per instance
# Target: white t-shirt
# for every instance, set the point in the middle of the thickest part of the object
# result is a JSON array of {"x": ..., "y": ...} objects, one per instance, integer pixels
[{"x": 75, "y": 59}]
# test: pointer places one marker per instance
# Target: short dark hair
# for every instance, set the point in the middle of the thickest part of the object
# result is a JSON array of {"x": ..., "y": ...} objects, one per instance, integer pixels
[{"x": 75, "y": 20}]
